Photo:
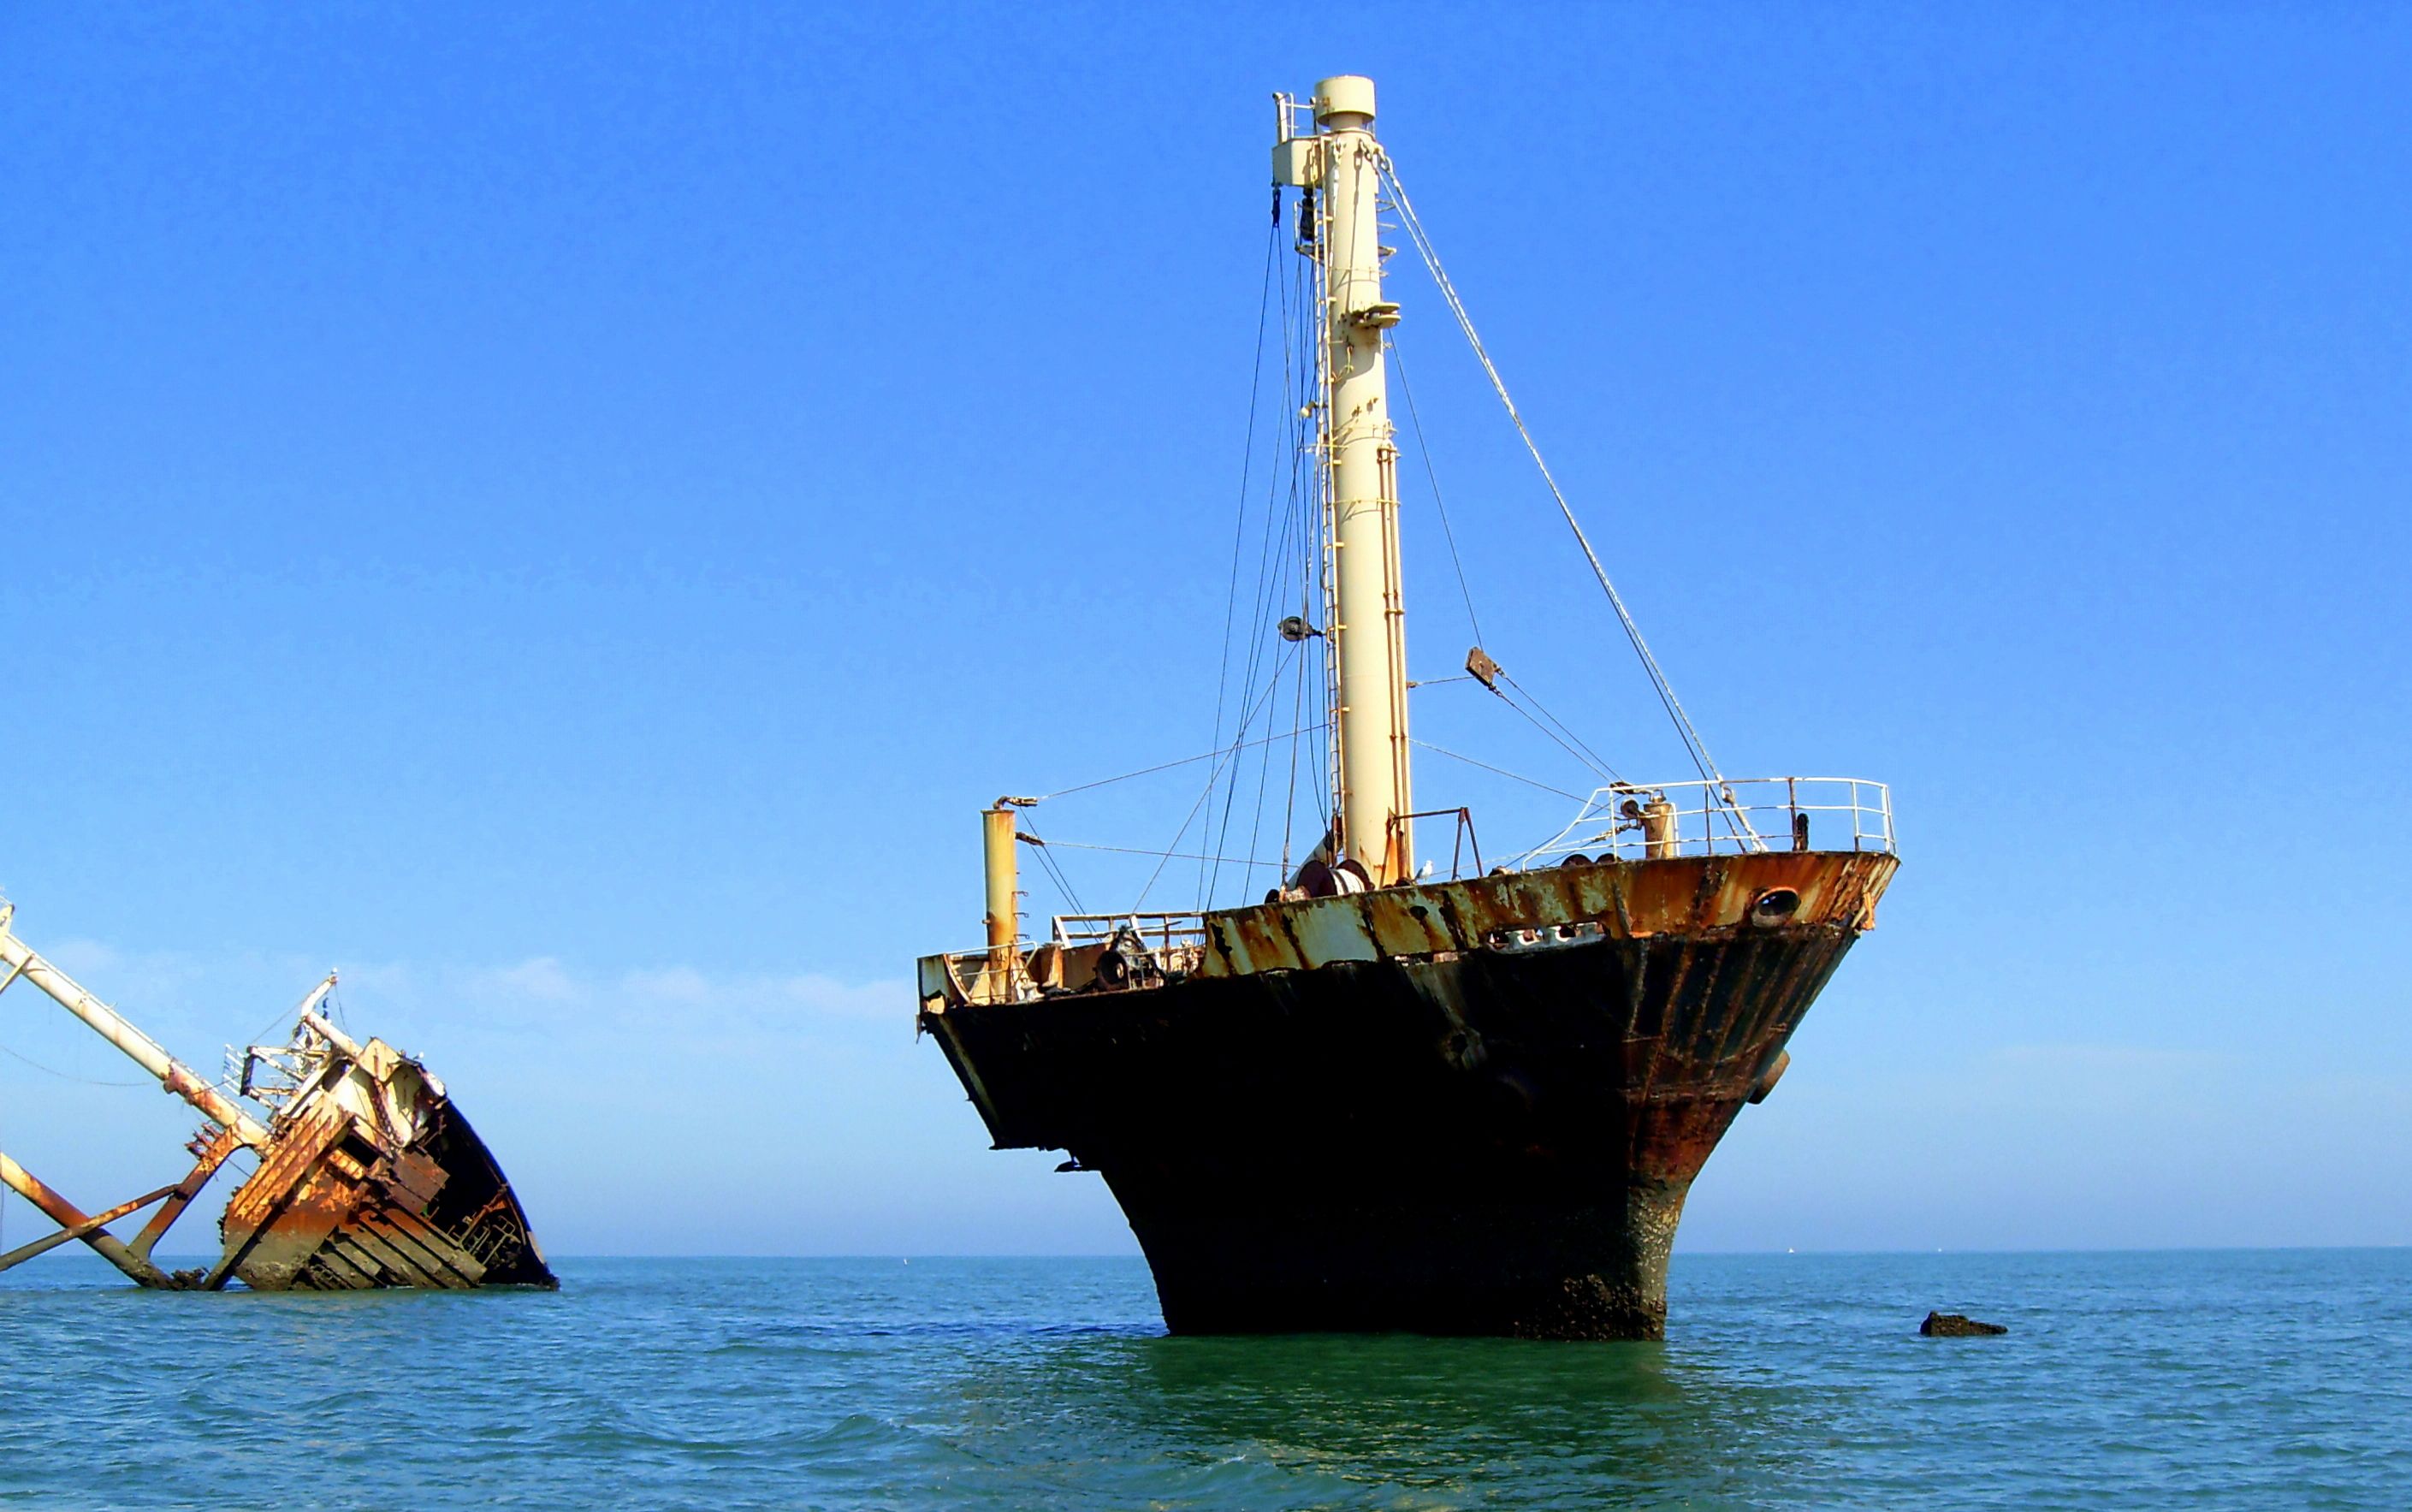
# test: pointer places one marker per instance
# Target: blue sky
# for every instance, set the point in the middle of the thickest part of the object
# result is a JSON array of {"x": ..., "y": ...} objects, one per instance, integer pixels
[{"x": 567, "y": 514}]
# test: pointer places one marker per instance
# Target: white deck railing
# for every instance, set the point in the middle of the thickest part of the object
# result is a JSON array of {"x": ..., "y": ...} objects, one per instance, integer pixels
[
  {"x": 1646, "y": 821},
  {"x": 1159, "y": 931}
]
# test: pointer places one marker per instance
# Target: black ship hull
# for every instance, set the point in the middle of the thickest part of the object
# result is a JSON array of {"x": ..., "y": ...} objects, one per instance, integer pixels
[{"x": 1494, "y": 1136}]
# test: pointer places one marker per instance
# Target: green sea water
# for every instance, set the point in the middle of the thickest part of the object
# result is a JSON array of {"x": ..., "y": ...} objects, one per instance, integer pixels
[{"x": 2229, "y": 1379}]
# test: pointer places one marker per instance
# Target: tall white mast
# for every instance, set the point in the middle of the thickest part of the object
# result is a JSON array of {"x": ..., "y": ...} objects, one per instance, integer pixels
[{"x": 1367, "y": 628}]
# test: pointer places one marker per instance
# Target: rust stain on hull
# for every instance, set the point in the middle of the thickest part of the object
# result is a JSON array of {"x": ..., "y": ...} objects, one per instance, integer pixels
[
  {"x": 374, "y": 1178},
  {"x": 1468, "y": 1108}
]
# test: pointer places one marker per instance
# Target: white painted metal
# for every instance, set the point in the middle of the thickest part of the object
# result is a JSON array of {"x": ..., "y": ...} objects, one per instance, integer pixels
[
  {"x": 1723, "y": 817},
  {"x": 1166, "y": 929},
  {"x": 1367, "y": 628},
  {"x": 1295, "y": 165}
]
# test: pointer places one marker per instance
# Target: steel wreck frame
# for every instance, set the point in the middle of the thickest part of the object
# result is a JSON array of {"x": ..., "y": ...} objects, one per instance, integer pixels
[{"x": 346, "y": 1193}]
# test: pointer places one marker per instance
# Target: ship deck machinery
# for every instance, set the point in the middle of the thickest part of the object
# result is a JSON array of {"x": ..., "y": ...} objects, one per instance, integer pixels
[
  {"x": 367, "y": 1175},
  {"x": 1472, "y": 1105}
]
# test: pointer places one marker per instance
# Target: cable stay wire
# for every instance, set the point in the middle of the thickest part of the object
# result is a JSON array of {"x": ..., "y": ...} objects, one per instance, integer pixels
[
  {"x": 1247, "y": 721},
  {"x": 1177, "y": 855},
  {"x": 1693, "y": 743},
  {"x": 1224, "y": 753},
  {"x": 1063, "y": 883},
  {"x": 1308, "y": 477},
  {"x": 69, "y": 1076},
  {"x": 1555, "y": 728},
  {"x": 1300, "y": 727},
  {"x": 1514, "y": 776},
  {"x": 1432, "y": 477},
  {"x": 1289, "y": 564},
  {"x": 1596, "y": 767},
  {"x": 1586, "y": 754},
  {"x": 1270, "y": 570},
  {"x": 1161, "y": 766},
  {"x": 1247, "y": 467},
  {"x": 1285, "y": 532}
]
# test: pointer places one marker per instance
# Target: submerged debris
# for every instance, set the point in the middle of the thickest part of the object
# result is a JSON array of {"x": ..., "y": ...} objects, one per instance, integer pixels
[
  {"x": 367, "y": 1175},
  {"x": 1957, "y": 1326}
]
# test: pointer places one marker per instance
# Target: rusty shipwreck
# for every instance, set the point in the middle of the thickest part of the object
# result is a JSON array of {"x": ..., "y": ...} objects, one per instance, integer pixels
[
  {"x": 1386, "y": 1096},
  {"x": 364, "y": 1174}
]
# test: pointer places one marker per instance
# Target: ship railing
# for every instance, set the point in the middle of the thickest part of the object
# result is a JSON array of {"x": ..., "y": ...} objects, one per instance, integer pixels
[
  {"x": 1160, "y": 933},
  {"x": 1738, "y": 816},
  {"x": 1176, "y": 943}
]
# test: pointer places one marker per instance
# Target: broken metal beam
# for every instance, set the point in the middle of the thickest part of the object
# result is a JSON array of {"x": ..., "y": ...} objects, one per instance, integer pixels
[
  {"x": 210, "y": 1156},
  {"x": 74, "y": 1222},
  {"x": 24, "y": 1252}
]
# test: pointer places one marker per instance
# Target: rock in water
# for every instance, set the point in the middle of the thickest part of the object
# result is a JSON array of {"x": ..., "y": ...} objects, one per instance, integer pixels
[{"x": 1957, "y": 1326}]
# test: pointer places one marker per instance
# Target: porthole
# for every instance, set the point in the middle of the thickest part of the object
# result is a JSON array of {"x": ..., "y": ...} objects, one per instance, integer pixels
[{"x": 1776, "y": 906}]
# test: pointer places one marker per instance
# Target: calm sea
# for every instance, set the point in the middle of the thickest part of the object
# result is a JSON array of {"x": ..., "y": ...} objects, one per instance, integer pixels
[{"x": 2210, "y": 1379}]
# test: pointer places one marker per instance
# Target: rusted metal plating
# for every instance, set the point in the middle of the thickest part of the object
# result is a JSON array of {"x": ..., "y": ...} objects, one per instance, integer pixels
[
  {"x": 1682, "y": 895},
  {"x": 1796, "y": 911},
  {"x": 368, "y": 1176},
  {"x": 1466, "y": 1107},
  {"x": 372, "y": 1179}
]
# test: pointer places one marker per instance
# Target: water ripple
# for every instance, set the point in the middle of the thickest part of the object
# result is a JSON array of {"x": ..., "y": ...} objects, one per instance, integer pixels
[{"x": 2178, "y": 1380}]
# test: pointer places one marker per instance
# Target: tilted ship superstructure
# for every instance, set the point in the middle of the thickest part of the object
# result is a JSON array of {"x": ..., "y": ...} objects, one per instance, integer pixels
[
  {"x": 1381, "y": 1098},
  {"x": 364, "y": 1174}
]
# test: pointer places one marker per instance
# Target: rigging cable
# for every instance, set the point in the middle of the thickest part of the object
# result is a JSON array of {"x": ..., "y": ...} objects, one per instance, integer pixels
[
  {"x": 1579, "y": 749},
  {"x": 1306, "y": 493},
  {"x": 1598, "y": 768},
  {"x": 64, "y": 1075},
  {"x": 1598, "y": 762},
  {"x": 1063, "y": 884},
  {"x": 1136, "y": 850},
  {"x": 1423, "y": 449},
  {"x": 1311, "y": 489},
  {"x": 1272, "y": 574},
  {"x": 1298, "y": 364},
  {"x": 1529, "y": 782},
  {"x": 1264, "y": 780},
  {"x": 1694, "y": 745},
  {"x": 1247, "y": 720},
  {"x": 1269, "y": 570},
  {"x": 1223, "y": 752},
  {"x": 1247, "y": 465},
  {"x": 1161, "y": 766}
]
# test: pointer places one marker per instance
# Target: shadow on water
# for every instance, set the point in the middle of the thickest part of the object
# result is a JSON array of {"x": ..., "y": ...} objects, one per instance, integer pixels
[{"x": 1396, "y": 1420}]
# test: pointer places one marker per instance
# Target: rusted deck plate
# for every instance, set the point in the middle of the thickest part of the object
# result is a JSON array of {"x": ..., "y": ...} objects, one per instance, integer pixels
[{"x": 338, "y": 1205}]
